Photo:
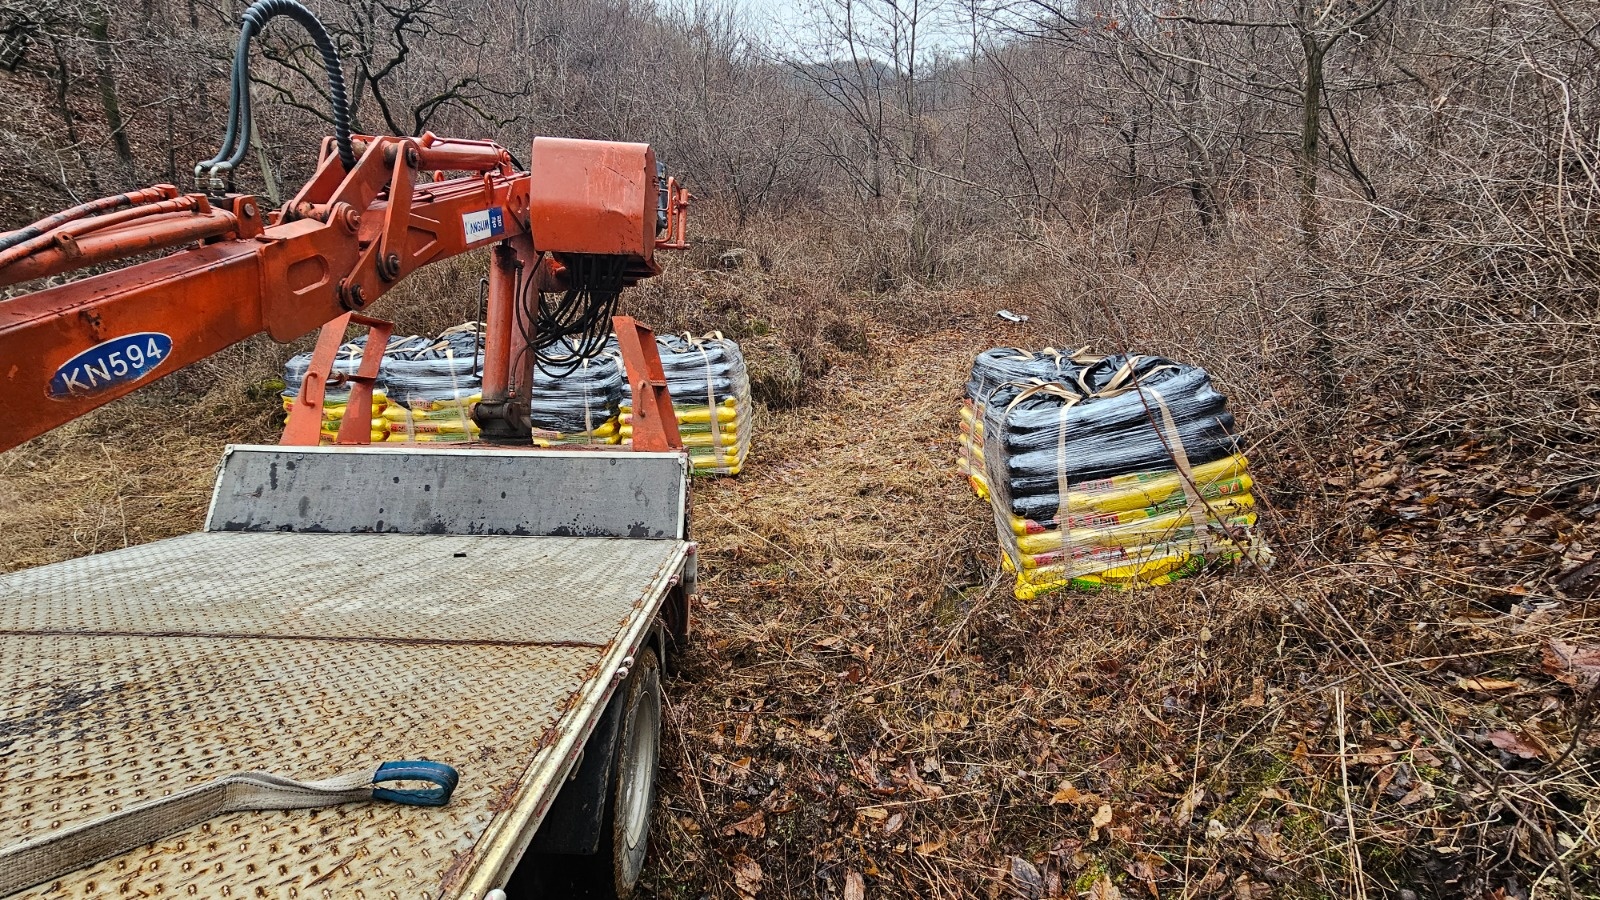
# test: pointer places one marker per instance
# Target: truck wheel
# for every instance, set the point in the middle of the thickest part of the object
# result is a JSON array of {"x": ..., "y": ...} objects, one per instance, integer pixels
[
  {"x": 633, "y": 783},
  {"x": 629, "y": 789}
]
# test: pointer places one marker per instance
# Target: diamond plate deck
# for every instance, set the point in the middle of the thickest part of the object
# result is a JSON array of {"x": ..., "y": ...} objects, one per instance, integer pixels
[{"x": 136, "y": 673}]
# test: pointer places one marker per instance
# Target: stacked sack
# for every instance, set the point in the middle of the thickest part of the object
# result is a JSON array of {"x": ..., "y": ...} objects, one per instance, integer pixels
[
  {"x": 993, "y": 368},
  {"x": 1124, "y": 472},
  {"x": 581, "y": 407},
  {"x": 710, "y": 390},
  {"x": 427, "y": 388},
  {"x": 432, "y": 385}
]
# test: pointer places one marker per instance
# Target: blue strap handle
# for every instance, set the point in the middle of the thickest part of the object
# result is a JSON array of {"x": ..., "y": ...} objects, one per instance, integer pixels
[{"x": 443, "y": 777}]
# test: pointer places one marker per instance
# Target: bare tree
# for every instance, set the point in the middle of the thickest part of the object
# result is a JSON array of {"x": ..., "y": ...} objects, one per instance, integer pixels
[
  {"x": 870, "y": 62},
  {"x": 413, "y": 59},
  {"x": 1318, "y": 26}
]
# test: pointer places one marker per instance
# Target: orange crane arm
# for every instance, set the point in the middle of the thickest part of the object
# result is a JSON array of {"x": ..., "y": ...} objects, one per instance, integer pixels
[{"x": 339, "y": 245}]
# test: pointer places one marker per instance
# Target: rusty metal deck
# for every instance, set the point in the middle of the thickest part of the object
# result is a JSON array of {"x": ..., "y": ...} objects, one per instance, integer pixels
[{"x": 136, "y": 673}]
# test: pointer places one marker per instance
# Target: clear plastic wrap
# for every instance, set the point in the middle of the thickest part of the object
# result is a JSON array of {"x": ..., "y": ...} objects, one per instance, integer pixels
[
  {"x": 428, "y": 386},
  {"x": 1097, "y": 427},
  {"x": 1000, "y": 366},
  {"x": 335, "y": 401},
  {"x": 710, "y": 389},
  {"x": 346, "y": 362},
  {"x": 1124, "y": 471},
  {"x": 425, "y": 388},
  {"x": 580, "y": 407},
  {"x": 432, "y": 384},
  {"x": 1006, "y": 365}
]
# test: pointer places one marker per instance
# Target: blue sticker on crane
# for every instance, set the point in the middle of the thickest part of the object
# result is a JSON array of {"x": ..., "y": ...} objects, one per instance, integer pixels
[
  {"x": 119, "y": 361},
  {"x": 484, "y": 224}
]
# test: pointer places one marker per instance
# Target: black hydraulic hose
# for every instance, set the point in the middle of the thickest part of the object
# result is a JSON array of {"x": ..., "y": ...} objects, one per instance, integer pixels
[
  {"x": 236, "y": 142},
  {"x": 241, "y": 53}
]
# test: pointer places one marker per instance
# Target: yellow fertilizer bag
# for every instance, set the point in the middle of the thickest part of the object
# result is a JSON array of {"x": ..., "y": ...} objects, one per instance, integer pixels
[
  {"x": 1125, "y": 567},
  {"x": 1216, "y": 480},
  {"x": 1152, "y": 573},
  {"x": 436, "y": 426},
  {"x": 379, "y": 433},
  {"x": 1113, "y": 529},
  {"x": 445, "y": 404},
  {"x": 449, "y": 437},
  {"x": 605, "y": 433},
  {"x": 710, "y": 390},
  {"x": 333, "y": 409},
  {"x": 1179, "y": 534},
  {"x": 689, "y": 414}
]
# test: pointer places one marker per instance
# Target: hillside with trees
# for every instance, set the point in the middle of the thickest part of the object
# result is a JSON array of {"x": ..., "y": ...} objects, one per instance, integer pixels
[{"x": 1375, "y": 222}]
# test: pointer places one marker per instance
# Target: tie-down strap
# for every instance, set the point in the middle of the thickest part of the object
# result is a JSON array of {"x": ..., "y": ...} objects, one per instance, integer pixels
[{"x": 46, "y": 858}]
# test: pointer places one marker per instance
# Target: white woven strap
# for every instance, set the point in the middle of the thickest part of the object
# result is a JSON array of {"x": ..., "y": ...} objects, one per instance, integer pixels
[
  {"x": 48, "y": 857},
  {"x": 1196, "y": 506},
  {"x": 461, "y": 399},
  {"x": 588, "y": 417},
  {"x": 711, "y": 405}
]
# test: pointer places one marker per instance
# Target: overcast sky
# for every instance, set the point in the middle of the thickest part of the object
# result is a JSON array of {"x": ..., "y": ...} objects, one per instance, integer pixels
[{"x": 790, "y": 26}]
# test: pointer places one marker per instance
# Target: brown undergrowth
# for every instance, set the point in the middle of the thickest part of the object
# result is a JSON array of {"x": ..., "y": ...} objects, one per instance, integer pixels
[
  {"x": 1402, "y": 705},
  {"x": 867, "y": 708}
]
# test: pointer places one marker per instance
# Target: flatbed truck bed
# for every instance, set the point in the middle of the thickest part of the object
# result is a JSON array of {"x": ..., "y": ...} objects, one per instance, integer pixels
[{"x": 297, "y": 635}]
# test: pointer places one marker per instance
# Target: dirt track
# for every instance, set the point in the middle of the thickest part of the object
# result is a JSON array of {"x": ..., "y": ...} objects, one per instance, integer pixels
[{"x": 866, "y": 700}]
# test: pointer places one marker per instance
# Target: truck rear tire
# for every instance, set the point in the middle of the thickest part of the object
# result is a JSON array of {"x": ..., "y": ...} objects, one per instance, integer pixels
[
  {"x": 630, "y": 792},
  {"x": 633, "y": 787}
]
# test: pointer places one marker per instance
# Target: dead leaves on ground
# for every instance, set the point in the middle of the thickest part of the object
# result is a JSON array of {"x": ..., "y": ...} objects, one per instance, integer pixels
[
  {"x": 1067, "y": 793},
  {"x": 1102, "y": 818},
  {"x": 1517, "y": 745},
  {"x": 747, "y": 875},
  {"x": 1486, "y": 685},
  {"x": 1466, "y": 515},
  {"x": 1572, "y": 665},
  {"x": 991, "y": 756},
  {"x": 755, "y": 825}
]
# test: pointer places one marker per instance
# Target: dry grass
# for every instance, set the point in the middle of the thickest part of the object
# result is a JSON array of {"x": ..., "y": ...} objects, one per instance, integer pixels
[
  {"x": 868, "y": 706},
  {"x": 137, "y": 470},
  {"x": 865, "y": 705}
]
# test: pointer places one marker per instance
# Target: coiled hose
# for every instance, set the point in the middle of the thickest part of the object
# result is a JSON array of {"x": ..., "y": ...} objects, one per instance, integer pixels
[
  {"x": 563, "y": 331},
  {"x": 236, "y": 142}
]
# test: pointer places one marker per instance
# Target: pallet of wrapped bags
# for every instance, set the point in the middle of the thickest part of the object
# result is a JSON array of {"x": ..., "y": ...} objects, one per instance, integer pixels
[
  {"x": 710, "y": 390},
  {"x": 432, "y": 385},
  {"x": 580, "y": 407},
  {"x": 1128, "y": 473},
  {"x": 991, "y": 369}
]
